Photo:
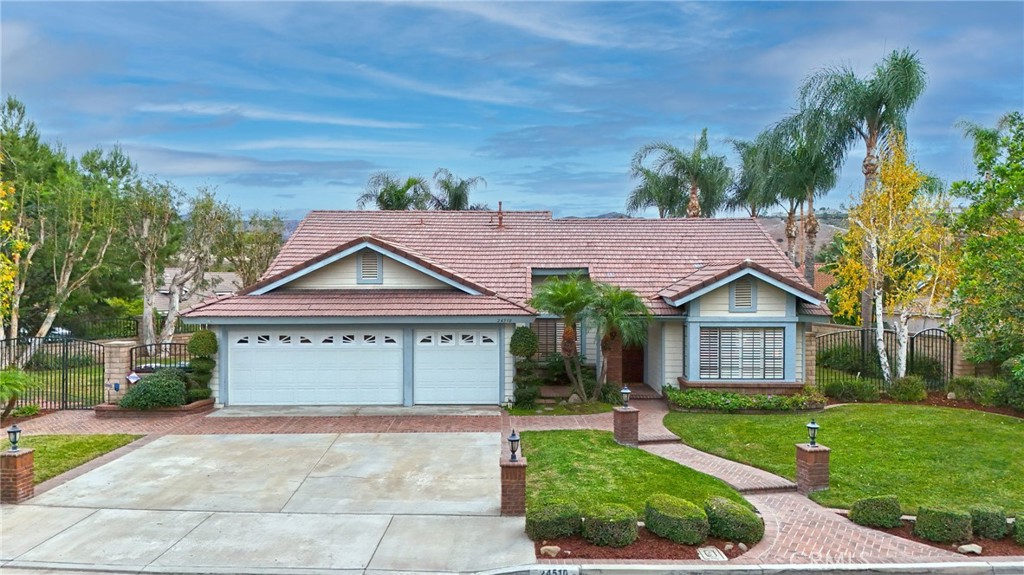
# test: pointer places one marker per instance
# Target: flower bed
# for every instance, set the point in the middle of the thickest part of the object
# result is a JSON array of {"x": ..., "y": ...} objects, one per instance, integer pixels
[{"x": 705, "y": 401}]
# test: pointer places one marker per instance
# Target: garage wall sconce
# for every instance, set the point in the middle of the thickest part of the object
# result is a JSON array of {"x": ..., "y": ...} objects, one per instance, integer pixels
[{"x": 513, "y": 445}]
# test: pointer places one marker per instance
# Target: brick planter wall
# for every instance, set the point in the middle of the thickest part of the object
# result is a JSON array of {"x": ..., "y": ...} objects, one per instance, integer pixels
[
  {"x": 627, "y": 426},
  {"x": 17, "y": 475},
  {"x": 513, "y": 487},
  {"x": 111, "y": 411},
  {"x": 811, "y": 468}
]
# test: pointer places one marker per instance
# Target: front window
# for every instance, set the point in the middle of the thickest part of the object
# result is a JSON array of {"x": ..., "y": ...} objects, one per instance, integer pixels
[{"x": 742, "y": 353}]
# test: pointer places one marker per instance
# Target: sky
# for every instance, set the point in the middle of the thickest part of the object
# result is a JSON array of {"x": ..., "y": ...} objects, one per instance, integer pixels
[{"x": 291, "y": 106}]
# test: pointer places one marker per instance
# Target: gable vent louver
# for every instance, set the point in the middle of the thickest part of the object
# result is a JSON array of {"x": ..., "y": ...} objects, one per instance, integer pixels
[
  {"x": 744, "y": 294},
  {"x": 369, "y": 266}
]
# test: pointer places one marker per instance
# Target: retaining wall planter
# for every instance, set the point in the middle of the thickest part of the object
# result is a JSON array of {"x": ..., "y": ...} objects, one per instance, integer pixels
[{"x": 112, "y": 411}]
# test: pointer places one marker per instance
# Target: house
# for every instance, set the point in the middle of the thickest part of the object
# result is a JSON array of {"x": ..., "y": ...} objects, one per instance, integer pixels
[
  {"x": 215, "y": 284},
  {"x": 404, "y": 308}
]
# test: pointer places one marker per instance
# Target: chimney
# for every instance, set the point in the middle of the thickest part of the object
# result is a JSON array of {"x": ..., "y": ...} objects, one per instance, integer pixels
[{"x": 501, "y": 217}]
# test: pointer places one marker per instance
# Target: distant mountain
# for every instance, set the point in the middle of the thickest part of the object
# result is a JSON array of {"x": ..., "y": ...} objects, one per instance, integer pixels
[{"x": 776, "y": 228}]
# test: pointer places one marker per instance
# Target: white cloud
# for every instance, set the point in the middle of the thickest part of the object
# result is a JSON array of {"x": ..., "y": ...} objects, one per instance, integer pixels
[
  {"x": 540, "y": 23},
  {"x": 255, "y": 113}
]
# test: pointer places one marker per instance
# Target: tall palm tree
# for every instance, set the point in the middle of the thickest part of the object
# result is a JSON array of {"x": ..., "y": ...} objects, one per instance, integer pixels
[
  {"x": 453, "y": 192},
  {"x": 753, "y": 190},
  {"x": 621, "y": 318},
  {"x": 655, "y": 190},
  {"x": 706, "y": 176},
  {"x": 868, "y": 109},
  {"x": 387, "y": 191},
  {"x": 566, "y": 297}
]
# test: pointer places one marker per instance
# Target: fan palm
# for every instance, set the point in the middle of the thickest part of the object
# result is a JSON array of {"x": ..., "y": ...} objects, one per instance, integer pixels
[
  {"x": 752, "y": 190},
  {"x": 621, "y": 318},
  {"x": 566, "y": 297},
  {"x": 655, "y": 190},
  {"x": 453, "y": 192},
  {"x": 707, "y": 177},
  {"x": 387, "y": 191}
]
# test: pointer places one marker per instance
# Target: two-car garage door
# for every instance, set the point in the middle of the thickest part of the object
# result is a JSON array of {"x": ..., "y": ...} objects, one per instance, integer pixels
[{"x": 362, "y": 366}]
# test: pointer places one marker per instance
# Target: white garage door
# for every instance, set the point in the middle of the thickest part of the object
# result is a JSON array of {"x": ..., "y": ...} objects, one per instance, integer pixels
[
  {"x": 317, "y": 366},
  {"x": 452, "y": 366}
]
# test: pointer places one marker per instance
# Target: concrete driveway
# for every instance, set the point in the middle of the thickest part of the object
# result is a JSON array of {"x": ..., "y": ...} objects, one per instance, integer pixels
[{"x": 354, "y": 503}]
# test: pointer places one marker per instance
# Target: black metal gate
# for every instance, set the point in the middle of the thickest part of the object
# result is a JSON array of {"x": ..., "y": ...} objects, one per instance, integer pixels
[
  {"x": 853, "y": 353},
  {"x": 66, "y": 373}
]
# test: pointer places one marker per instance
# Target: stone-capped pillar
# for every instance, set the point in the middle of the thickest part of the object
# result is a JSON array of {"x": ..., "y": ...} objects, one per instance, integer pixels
[
  {"x": 627, "y": 426},
  {"x": 116, "y": 365},
  {"x": 17, "y": 475},
  {"x": 513, "y": 486},
  {"x": 811, "y": 468}
]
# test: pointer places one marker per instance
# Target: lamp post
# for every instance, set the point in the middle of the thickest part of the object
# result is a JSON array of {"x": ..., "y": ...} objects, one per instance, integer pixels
[
  {"x": 513, "y": 445},
  {"x": 625, "y": 395},
  {"x": 13, "y": 435},
  {"x": 812, "y": 432}
]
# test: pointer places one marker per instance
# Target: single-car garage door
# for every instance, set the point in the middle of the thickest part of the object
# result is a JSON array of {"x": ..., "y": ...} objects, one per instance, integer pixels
[
  {"x": 452, "y": 366},
  {"x": 316, "y": 366}
]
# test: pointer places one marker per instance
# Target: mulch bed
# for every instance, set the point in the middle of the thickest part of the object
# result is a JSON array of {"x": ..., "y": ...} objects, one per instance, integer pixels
[
  {"x": 989, "y": 548},
  {"x": 12, "y": 420},
  {"x": 646, "y": 546},
  {"x": 938, "y": 399}
]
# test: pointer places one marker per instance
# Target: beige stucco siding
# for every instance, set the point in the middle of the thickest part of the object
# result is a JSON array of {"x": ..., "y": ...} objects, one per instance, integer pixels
[
  {"x": 673, "y": 334},
  {"x": 342, "y": 275},
  {"x": 771, "y": 302}
]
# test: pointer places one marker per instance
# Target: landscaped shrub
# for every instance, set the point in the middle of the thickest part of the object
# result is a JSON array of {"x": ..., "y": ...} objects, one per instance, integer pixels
[
  {"x": 729, "y": 402},
  {"x": 882, "y": 511},
  {"x": 849, "y": 359},
  {"x": 988, "y": 522},
  {"x": 202, "y": 346},
  {"x": 199, "y": 393},
  {"x": 203, "y": 343},
  {"x": 205, "y": 364},
  {"x": 943, "y": 525},
  {"x": 909, "y": 388},
  {"x": 676, "y": 519},
  {"x": 553, "y": 521},
  {"x": 733, "y": 522},
  {"x": 1018, "y": 529},
  {"x": 1013, "y": 395},
  {"x": 524, "y": 343},
  {"x": 162, "y": 389},
  {"x": 851, "y": 389},
  {"x": 610, "y": 525},
  {"x": 929, "y": 368},
  {"x": 25, "y": 411},
  {"x": 526, "y": 396},
  {"x": 981, "y": 390}
]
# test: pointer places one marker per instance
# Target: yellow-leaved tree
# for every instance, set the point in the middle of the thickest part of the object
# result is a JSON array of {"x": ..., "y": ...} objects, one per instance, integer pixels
[
  {"x": 900, "y": 243},
  {"x": 12, "y": 243}
]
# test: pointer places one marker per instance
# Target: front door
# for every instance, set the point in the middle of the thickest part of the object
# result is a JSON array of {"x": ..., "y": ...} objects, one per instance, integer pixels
[{"x": 633, "y": 364}]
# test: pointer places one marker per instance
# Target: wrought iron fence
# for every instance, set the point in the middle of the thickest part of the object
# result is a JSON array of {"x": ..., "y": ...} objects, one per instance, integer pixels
[
  {"x": 101, "y": 328},
  {"x": 65, "y": 373},
  {"x": 854, "y": 354},
  {"x": 179, "y": 326},
  {"x": 149, "y": 358}
]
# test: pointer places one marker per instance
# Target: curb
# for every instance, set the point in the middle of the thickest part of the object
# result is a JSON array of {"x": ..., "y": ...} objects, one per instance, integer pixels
[{"x": 1014, "y": 566}]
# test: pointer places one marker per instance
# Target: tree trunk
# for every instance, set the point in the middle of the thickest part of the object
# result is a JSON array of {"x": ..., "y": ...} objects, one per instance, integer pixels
[
  {"x": 811, "y": 229},
  {"x": 570, "y": 358},
  {"x": 883, "y": 354},
  {"x": 611, "y": 353},
  {"x": 173, "y": 310},
  {"x": 791, "y": 235},
  {"x": 693, "y": 208},
  {"x": 870, "y": 169},
  {"x": 148, "y": 303},
  {"x": 901, "y": 325}
]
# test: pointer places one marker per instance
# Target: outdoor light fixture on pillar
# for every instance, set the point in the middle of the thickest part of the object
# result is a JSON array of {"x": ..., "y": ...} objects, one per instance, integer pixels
[
  {"x": 812, "y": 432},
  {"x": 625, "y": 395},
  {"x": 513, "y": 445},
  {"x": 13, "y": 435}
]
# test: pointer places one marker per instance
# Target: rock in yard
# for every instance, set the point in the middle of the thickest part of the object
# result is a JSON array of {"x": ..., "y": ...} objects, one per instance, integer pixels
[
  {"x": 951, "y": 395},
  {"x": 729, "y": 546},
  {"x": 575, "y": 399},
  {"x": 972, "y": 548},
  {"x": 743, "y": 547},
  {"x": 550, "y": 550}
]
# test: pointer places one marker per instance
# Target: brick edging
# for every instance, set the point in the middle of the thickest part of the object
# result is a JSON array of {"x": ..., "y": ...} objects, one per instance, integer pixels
[{"x": 111, "y": 411}]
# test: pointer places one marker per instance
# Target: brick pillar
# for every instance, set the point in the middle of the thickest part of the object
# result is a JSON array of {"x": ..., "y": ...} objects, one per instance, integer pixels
[
  {"x": 627, "y": 426},
  {"x": 116, "y": 365},
  {"x": 810, "y": 358},
  {"x": 17, "y": 476},
  {"x": 811, "y": 468},
  {"x": 513, "y": 487}
]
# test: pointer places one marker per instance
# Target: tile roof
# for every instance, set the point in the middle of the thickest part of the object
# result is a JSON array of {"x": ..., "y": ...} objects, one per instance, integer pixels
[
  {"x": 713, "y": 273},
  {"x": 498, "y": 251},
  {"x": 822, "y": 279}
]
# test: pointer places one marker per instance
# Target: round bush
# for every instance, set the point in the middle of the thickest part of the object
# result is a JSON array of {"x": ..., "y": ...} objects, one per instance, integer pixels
[
  {"x": 676, "y": 519},
  {"x": 162, "y": 389},
  {"x": 909, "y": 388},
  {"x": 850, "y": 388},
  {"x": 988, "y": 522},
  {"x": 882, "y": 511},
  {"x": 200, "y": 378},
  {"x": 733, "y": 522},
  {"x": 943, "y": 525},
  {"x": 203, "y": 364},
  {"x": 553, "y": 521},
  {"x": 610, "y": 525},
  {"x": 199, "y": 393},
  {"x": 1018, "y": 529},
  {"x": 524, "y": 343},
  {"x": 203, "y": 343}
]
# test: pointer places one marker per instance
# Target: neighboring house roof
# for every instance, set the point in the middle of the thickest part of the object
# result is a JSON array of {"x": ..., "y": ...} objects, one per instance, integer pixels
[
  {"x": 496, "y": 254},
  {"x": 822, "y": 279},
  {"x": 217, "y": 284}
]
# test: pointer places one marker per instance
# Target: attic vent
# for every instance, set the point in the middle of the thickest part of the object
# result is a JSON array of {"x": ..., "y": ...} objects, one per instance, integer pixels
[
  {"x": 369, "y": 267},
  {"x": 743, "y": 294}
]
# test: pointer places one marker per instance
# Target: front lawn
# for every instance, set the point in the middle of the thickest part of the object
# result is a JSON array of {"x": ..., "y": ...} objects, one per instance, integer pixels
[
  {"x": 562, "y": 409},
  {"x": 588, "y": 467},
  {"x": 924, "y": 455},
  {"x": 55, "y": 454}
]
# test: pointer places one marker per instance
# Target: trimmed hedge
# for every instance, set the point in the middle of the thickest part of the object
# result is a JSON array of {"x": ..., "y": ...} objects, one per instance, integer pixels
[
  {"x": 676, "y": 519},
  {"x": 851, "y": 389},
  {"x": 1013, "y": 395},
  {"x": 909, "y": 388},
  {"x": 553, "y": 521},
  {"x": 981, "y": 390},
  {"x": 610, "y": 525},
  {"x": 1018, "y": 529},
  {"x": 162, "y": 389},
  {"x": 988, "y": 522},
  {"x": 883, "y": 511},
  {"x": 729, "y": 402},
  {"x": 203, "y": 343},
  {"x": 733, "y": 522},
  {"x": 526, "y": 396},
  {"x": 199, "y": 393},
  {"x": 524, "y": 342},
  {"x": 203, "y": 364},
  {"x": 943, "y": 525}
]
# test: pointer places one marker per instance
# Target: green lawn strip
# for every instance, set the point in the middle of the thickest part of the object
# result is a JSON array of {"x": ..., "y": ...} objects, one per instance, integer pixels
[
  {"x": 924, "y": 455},
  {"x": 55, "y": 454},
  {"x": 828, "y": 374},
  {"x": 563, "y": 409},
  {"x": 588, "y": 467}
]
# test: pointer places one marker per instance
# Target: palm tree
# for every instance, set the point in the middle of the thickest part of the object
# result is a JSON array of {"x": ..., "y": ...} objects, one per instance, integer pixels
[
  {"x": 389, "y": 192},
  {"x": 453, "y": 192},
  {"x": 868, "y": 109},
  {"x": 621, "y": 318},
  {"x": 706, "y": 176},
  {"x": 655, "y": 190},
  {"x": 753, "y": 190},
  {"x": 566, "y": 297}
]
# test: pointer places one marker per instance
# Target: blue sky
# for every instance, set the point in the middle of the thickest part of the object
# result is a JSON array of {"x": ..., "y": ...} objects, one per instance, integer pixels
[{"x": 291, "y": 106}]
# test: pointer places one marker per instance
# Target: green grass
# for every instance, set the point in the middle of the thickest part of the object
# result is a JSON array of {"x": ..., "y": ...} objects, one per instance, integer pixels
[
  {"x": 85, "y": 385},
  {"x": 562, "y": 409},
  {"x": 829, "y": 374},
  {"x": 55, "y": 454},
  {"x": 588, "y": 467},
  {"x": 924, "y": 455}
]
